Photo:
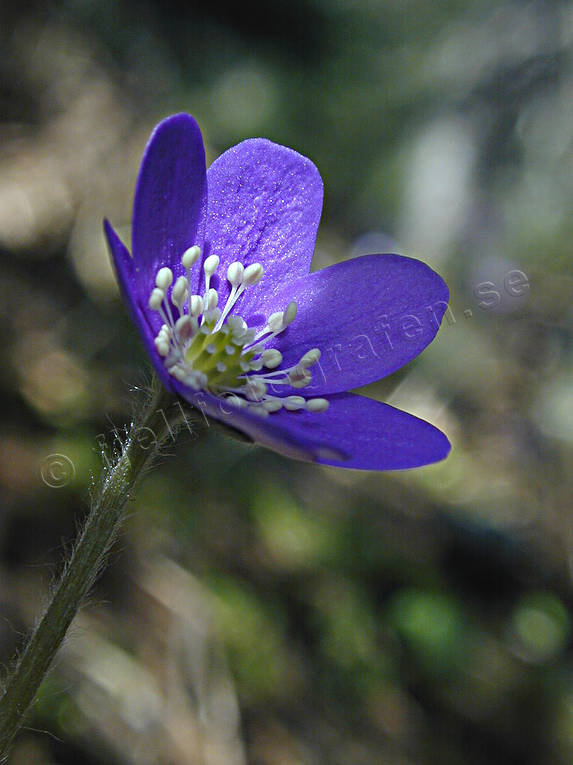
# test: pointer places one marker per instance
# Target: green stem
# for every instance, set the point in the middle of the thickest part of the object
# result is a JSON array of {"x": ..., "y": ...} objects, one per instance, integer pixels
[{"x": 159, "y": 421}]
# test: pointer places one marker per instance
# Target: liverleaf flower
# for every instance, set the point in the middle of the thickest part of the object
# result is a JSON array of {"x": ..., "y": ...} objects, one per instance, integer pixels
[{"x": 219, "y": 286}]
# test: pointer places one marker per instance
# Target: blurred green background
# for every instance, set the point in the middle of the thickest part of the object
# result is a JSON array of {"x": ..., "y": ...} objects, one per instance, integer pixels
[{"x": 259, "y": 610}]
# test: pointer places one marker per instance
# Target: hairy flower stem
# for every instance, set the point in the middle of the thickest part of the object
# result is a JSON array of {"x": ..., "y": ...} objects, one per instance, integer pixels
[{"x": 160, "y": 419}]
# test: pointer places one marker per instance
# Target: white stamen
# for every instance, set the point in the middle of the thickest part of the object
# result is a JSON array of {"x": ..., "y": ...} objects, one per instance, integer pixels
[
  {"x": 317, "y": 404},
  {"x": 184, "y": 328},
  {"x": 162, "y": 346},
  {"x": 196, "y": 305},
  {"x": 299, "y": 380},
  {"x": 240, "y": 278},
  {"x": 179, "y": 292},
  {"x": 271, "y": 358},
  {"x": 236, "y": 401},
  {"x": 211, "y": 264},
  {"x": 188, "y": 260},
  {"x": 259, "y": 410},
  {"x": 178, "y": 373},
  {"x": 253, "y": 274},
  {"x": 191, "y": 256},
  {"x": 156, "y": 299},
  {"x": 246, "y": 338},
  {"x": 310, "y": 358},
  {"x": 212, "y": 298},
  {"x": 236, "y": 323},
  {"x": 292, "y": 403},
  {"x": 255, "y": 389},
  {"x": 232, "y": 355},
  {"x": 273, "y": 404},
  {"x": 235, "y": 273},
  {"x": 275, "y": 321},
  {"x": 211, "y": 317},
  {"x": 290, "y": 314},
  {"x": 164, "y": 279}
]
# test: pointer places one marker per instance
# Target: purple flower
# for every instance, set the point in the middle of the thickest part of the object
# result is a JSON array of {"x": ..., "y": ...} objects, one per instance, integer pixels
[{"x": 220, "y": 289}]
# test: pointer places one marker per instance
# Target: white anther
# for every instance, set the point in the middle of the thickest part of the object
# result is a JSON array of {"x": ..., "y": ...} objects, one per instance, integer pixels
[
  {"x": 212, "y": 298},
  {"x": 196, "y": 305},
  {"x": 156, "y": 299},
  {"x": 275, "y": 321},
  {"x": 201, "y": 380},
  {"x": 193, "y": 378},
  {"x": 247, "y": 337},
  {"x": 240, "y": 278},
  {"x": 298, "y": 372},
  {"x": 235, "y": 273},
  {"x": 273, "y": 404},
  {"x": 165, "y": 336},
  {"x": 256, "y": 365},
  {"x": 253, "y": 274},
  {"x": 162, "y": 346},
  {"x": 236, "y": 401},
  {"x": 271, "y": 358},
  {"x": 212, "y": 315},
  {"x": 299, "y": 378},
  {"x": 281, "y": 319},
  {"x": 179, "y": 292},
  {"x": 255, "y": 389},
  {"x": 211, "y": 264},
  {"x": 310, "y": 358},
  {"x": 289, "y": 314},
  {"x": 164, "y": 278},
  {"x": 164, "y": 331},
  {"x": 184, "y": 328},
  {"x": 292, "y": 403},
  {"x": 221, "y": 367},
  {"x": 259, "y": 410},
  {"x": 191, "y": 256},
  {"x": 211, "y": 348},
  {"x": 317, "y": 404},
  {"x": 230, "y": 349},
  {"x": 236, "y": 323}
]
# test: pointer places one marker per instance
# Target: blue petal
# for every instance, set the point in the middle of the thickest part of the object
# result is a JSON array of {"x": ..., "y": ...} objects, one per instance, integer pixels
[
  {"x": 354, "y": 432},
  {"x": 128, "y": 282},
  {"x": 369, "y": 316},
  {"x": 375, "y": 436},
  {"x": 265, "y": 202},
  {"x": 170, "y": 199}
]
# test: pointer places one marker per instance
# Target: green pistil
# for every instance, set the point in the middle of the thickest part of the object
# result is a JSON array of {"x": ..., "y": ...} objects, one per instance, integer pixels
[{"x": 208, "y": 349}]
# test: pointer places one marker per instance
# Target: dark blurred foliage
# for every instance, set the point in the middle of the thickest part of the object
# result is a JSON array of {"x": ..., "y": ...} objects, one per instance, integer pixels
[{"x": 258, "y": 610}]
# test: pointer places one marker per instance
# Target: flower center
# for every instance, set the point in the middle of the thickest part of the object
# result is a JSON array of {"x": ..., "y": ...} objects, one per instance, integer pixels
[{"x": 211, "y": 349}]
